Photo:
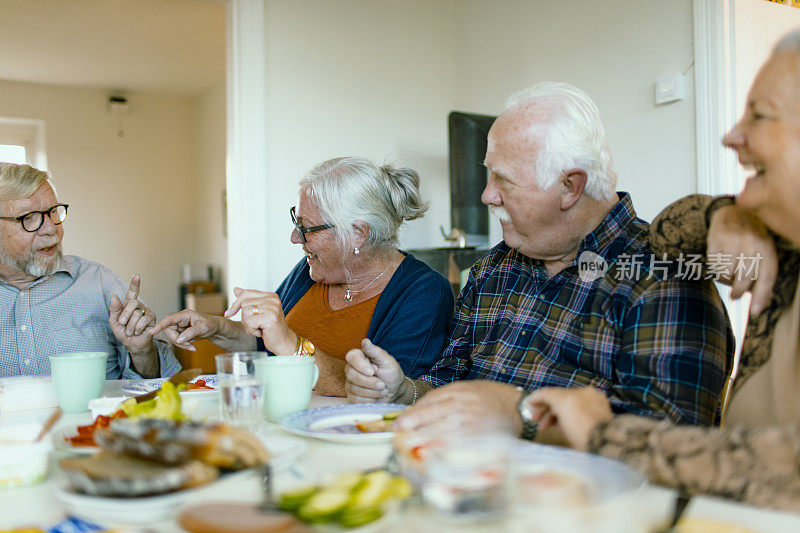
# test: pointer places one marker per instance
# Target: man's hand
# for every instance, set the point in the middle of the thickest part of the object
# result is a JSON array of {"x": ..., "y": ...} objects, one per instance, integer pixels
[
  {"x": 574, "y": 412},
  {"x": 262, "y": 316},
  {"x": 466, "y": 407},
  {"x": 735, "y": 233},
  {"x": 374, "y": 376},
  {"x": 130, "y": 320}
]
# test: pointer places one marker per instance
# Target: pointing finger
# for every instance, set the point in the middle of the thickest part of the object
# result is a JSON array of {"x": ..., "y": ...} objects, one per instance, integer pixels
[{"x": 133, "y": 289}]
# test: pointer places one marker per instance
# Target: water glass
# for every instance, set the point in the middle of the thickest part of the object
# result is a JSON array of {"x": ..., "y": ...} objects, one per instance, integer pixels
[{"x": 240, "y": 388}]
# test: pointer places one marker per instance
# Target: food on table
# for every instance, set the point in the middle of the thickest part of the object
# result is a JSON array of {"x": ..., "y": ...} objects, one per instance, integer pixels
[
  {"x": 702, "y": 525},
  {"x": 379, "y": 426},
  {"x": 554, "y": 487},
  {"x": 85, "y": 436},
  {"x": 239, "y": 518},
  {"x": 114, "y": 474},
  {"x": 151, "y": 456},
  {"x": 166, "y": 405},
  {"x": 351, "y": 500},
  {"x": 173, "y": 442},
  {"x": 199, "y": 384}
]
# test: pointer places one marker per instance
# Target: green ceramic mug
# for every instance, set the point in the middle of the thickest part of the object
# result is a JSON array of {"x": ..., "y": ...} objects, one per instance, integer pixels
[
  {"x": 77, "y": 378},
  {"x": 288, "y": 380}
]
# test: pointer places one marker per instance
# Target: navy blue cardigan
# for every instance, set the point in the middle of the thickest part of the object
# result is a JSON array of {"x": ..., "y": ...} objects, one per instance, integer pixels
[{"x": 412, "y": 316}]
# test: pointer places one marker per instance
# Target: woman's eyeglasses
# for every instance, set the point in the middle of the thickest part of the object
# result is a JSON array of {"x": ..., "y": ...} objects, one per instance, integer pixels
[{"x": 301, "y": 229}]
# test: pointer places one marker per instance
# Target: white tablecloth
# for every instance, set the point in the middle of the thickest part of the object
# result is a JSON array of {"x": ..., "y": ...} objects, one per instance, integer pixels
[{"x": 37, "y": 505}]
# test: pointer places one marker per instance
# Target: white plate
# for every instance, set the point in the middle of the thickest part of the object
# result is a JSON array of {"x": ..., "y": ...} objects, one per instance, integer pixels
[
  {"x": 61, "y": 444},
  {"x": 142, "y": 386},
  {"x": 133, "y": 511},
  {"x": 610, "y": 477},
  {"x": 338, "y": 422},
  {"x": 283, "y": 449}
]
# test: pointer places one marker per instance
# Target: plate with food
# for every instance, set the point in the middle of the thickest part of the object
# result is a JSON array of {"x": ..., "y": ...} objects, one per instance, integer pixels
[
  {"x": 355, "y": 423},
  {"x": 166, "y": 405},
  {"x": 133, "y": 479},
  {"x": 203, "y": 386},
  {"x": 144, "y": 510},
  {"x": 563, "y": 490}
]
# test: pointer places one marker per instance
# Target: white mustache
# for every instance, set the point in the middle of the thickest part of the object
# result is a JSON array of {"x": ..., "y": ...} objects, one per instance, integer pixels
[
  {"x": 500, "y": 212},
  {"x": 47, "y": 244}
]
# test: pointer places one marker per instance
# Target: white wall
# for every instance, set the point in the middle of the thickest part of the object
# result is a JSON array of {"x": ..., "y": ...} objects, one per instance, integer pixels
[
  {"x": 210, "y": 244},
  {"x": 373, "y": 78},
  {"x": 131, "y": 198},
  {"x": 614, "y": 50},
  {"x": 378, "y": 78}
]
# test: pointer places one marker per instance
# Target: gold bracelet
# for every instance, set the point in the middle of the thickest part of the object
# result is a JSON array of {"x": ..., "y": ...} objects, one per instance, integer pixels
[{"x": 304, "y": 347}]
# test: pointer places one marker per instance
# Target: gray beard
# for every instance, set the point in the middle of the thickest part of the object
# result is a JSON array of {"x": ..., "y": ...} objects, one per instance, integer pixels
[{"x": 30, "y": 265}]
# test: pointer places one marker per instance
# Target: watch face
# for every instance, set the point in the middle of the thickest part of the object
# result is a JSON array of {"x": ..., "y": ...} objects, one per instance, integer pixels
[{"x": 525, "y": 409}]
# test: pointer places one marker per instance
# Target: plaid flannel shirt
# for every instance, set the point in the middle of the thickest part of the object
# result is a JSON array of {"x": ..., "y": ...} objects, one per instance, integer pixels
[{"x": 657, "y": 345}]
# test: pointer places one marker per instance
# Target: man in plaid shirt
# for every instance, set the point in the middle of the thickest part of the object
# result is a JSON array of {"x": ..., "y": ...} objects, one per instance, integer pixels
[{"x": 573, "y": 296}]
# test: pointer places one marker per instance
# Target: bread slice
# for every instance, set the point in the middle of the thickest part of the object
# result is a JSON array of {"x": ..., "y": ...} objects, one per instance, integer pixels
[{"x": 113, "y": 474}]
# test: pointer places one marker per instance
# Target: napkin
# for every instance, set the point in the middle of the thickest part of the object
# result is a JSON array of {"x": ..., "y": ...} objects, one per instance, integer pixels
[{"x": 21, "y": 393}]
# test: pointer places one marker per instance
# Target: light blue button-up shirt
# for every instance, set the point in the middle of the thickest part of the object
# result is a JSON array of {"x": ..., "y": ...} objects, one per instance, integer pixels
[{"x": 66, "y": 312}]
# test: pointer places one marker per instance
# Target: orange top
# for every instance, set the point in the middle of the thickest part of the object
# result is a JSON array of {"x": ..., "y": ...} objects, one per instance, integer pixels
[{"x": 333, "y": 332}]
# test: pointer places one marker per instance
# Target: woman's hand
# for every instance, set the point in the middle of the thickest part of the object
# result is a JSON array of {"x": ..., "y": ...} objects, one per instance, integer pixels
[
  {"x": 184, "y": 327},
  {"x": 735, "y": 234},
  {"x": 575, "y": 412},
  {"x": 262, "y": 316}
]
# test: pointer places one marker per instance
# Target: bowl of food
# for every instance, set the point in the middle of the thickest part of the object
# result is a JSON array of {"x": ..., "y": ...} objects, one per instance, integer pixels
[{"x": 22, "y": 461}]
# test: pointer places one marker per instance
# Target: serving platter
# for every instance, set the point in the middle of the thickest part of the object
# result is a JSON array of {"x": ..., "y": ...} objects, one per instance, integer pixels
[
  {"x": 338, "y": 423},
  {"x": 142, "y": 386}
]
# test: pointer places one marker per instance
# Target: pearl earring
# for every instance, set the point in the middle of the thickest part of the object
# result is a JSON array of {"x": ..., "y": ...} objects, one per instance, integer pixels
[{"x": 356, "y": 251}]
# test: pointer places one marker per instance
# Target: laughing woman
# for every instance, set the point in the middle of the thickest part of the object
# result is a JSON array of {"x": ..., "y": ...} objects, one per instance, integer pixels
[{"x": 353, "y": 282}]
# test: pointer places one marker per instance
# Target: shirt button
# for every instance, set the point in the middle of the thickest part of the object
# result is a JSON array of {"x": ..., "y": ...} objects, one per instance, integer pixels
[
  {"x": 524, "y": 333},
  {"x": 27, "y": 361},
  {"x": 23, "y": 327}
]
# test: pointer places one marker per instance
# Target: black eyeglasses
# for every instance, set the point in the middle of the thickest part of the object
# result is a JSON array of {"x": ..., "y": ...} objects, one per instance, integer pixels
[
  {"x": 301, "y": 229},
  {"x": 32, "y": 221}
]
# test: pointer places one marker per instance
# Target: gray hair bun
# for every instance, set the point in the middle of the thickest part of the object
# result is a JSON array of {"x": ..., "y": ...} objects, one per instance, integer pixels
[{"x": 403, "y": 190}]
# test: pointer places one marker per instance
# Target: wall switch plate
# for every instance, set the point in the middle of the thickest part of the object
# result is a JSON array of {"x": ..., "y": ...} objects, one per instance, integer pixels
[{"x": 670, "y": 89}]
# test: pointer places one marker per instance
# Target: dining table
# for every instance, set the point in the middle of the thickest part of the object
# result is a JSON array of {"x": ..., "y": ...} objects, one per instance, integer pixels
[{"x": 38, "y": 505}]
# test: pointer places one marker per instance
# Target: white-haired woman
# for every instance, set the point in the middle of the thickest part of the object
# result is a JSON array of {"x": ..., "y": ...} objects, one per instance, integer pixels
[{"x": 353, "y": 282}]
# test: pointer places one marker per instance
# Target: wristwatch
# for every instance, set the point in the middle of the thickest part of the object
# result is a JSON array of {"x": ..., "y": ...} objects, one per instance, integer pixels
[
  {"x": 304, "y": 347},
  {"x": 529, "y": 427}
]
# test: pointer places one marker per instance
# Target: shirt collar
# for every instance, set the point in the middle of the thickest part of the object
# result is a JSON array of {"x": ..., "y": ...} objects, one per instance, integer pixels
[
  {"x": 616, "y": 221},
  {"x": 68, "y": 265}
]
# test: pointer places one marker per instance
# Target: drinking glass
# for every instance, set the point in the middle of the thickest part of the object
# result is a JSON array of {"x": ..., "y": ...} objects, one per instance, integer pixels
[
  {"x": 461, "y": 466},
  {"x": 241, "y": 397}
]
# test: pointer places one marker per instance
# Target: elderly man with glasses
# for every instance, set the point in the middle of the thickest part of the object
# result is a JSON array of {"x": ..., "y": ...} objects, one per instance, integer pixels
[{"x": 51, "y": 303}]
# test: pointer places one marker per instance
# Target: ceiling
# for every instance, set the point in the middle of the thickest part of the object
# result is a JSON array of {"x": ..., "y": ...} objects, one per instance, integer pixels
[{"x": 171, "y": 46}]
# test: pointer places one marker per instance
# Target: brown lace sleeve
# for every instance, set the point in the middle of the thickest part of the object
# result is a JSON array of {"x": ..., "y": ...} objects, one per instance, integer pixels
[
  {"x": 759, "y": 466},
  {"x": 682, "y": 227}
]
